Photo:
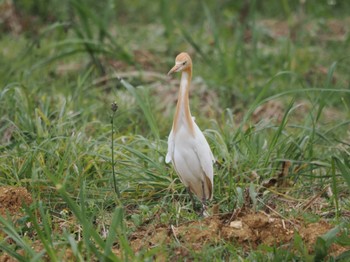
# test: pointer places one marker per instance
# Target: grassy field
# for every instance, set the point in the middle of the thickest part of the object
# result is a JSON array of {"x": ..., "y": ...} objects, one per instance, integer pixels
[{"x": 271, "y": 92}]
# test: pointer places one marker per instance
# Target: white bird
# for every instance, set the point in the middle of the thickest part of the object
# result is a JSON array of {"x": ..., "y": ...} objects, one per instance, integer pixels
[{"x": 188, "y": 150}]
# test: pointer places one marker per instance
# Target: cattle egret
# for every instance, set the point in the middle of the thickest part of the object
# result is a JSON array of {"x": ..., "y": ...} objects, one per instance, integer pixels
[{"x": 188, "y": 150}]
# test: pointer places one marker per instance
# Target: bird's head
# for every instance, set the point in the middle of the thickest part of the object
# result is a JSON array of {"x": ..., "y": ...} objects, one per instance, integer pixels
[{"x": 183, "y": 62}]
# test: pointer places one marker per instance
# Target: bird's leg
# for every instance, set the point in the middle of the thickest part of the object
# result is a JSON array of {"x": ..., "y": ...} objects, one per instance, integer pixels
[
  {"x": 204, "y": 200},
  {"x": 192, "y": 199}
]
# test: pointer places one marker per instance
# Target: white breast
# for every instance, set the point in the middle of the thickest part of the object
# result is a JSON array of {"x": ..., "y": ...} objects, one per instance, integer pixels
[{"x": 192, "y": 159}]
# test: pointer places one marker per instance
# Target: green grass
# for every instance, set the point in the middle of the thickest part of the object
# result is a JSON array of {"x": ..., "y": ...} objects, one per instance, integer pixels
[{"x": 55, "y": 123}]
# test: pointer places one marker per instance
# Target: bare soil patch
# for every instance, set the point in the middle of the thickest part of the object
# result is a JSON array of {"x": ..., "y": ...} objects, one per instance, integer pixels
[
  {"x": 245, "y": 228},
  {"x": 248, "y": 229},
  {"x": 12, "y": 199}
]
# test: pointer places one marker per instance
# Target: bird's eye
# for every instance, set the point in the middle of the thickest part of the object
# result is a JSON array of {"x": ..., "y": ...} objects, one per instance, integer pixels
[{"x": 184, "y": 63}]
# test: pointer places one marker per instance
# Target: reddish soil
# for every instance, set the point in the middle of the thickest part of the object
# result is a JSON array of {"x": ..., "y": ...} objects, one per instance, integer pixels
[
  {"x": 12, "y": 199},
  {"x": 245, "y": 228},
  {"x": 248, "y": 229}
]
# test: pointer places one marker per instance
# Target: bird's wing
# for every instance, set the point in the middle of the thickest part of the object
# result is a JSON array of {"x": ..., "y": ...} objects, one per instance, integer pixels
[
  {"x": 205, "y": 156},
  {"x": 170, "y": 154},
  {"x": 211, "y": 154}
]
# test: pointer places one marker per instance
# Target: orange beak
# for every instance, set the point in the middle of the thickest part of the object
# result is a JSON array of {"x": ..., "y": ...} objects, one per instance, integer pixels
[{"x": 174, "y": 69}]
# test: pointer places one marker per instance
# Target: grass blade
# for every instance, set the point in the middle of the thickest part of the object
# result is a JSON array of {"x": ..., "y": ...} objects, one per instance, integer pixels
[
  {"x": 11, "y": 231},
  {"x": 344, "y": 170}
]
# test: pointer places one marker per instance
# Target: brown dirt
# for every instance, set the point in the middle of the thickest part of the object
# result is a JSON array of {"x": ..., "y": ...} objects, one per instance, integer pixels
[
  {"x": 248, "y": 229},
  {"x": 245, "y": 227},
  {"x": 271, "y": 110},
  {"x": 274, "y": 110},
  {"x": 329, "y": 30},
  {"x": 12, "y": 198},
  {"x": 11, "y": 201}
]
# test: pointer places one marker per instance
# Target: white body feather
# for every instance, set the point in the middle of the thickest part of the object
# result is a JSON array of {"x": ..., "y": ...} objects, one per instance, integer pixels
[{"x": 190, "y": 153}]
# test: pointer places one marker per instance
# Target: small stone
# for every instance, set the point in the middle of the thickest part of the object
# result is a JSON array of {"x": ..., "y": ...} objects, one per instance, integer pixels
[{"x": 236, "y": 224}]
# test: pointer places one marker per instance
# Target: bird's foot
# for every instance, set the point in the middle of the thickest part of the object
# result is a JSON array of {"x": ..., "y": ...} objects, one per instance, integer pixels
[{"x": 204, "y": 211}]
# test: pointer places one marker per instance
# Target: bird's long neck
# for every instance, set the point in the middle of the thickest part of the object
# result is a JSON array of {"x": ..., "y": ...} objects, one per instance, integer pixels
[{"x": 183, "y": 113}]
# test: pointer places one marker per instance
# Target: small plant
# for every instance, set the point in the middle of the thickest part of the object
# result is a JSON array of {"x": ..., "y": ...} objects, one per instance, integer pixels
[{"x": 114, "y": 108}]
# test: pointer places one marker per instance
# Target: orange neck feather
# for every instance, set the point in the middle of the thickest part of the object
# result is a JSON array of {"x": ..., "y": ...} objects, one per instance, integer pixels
[{"x": 183, "y": 113}]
